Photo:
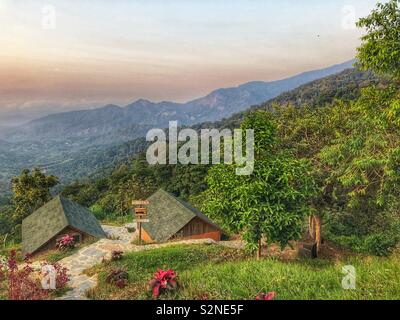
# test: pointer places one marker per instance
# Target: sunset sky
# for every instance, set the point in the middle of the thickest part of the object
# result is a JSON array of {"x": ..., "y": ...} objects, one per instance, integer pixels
[{"x": 103, "y": 51}]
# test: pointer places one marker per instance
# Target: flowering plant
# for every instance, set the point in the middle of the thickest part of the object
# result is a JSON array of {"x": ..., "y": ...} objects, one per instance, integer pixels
[
  {"x": 61, "y": 274},
  {"x": 23, "y": 283},
  {"x": 66, "y": 242},
  {"x": 116, "y": 255},
  {"x": 164, "y": 280},
  {"x": 266, "y": 296},
  {"x": 119, "y": 277}
]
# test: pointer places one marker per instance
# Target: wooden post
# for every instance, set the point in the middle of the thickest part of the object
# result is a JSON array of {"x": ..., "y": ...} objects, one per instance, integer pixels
[
  {"x": 140, "y": 214},
  {"x": 140, "y": 233}
]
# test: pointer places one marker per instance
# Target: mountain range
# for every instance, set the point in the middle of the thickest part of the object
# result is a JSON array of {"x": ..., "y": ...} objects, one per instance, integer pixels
[
  {"x": 133, "y": 120},
  {"x": 82, "y": 144}
]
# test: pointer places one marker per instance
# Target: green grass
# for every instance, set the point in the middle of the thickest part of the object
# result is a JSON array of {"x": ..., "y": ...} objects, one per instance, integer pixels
[
  {"x": 57, "y": 255},
  {"x": 214, "y": 272},
  {"x": 142, "y": 265},
  {"x": 117, "y": 220}
]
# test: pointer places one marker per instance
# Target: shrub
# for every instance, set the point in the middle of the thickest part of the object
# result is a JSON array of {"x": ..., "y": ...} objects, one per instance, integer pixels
[
  {"x": 62, "y": 276},
  {"x": 23, "y": 284},
  {"x": 118, "y": 277},
  {"x": 266, "y": 296},
  {"x": 116, "y": 255},
  {"x": 163, "y": 281},
  {"x": 379, "y": 244},
  {"x": 66, "y": 242},
  {"x": 98, "y": 212}
]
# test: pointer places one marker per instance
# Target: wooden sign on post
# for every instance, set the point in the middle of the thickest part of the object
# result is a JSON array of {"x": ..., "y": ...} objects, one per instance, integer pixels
[
  {"x": 140, "y": 203},
  {"x": 140, "y": 215}
]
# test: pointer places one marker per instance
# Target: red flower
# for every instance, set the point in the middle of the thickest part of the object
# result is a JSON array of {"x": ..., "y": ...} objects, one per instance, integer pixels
[
  {"x": 121, "y": 283},
  {"x": 163, "y": 280},
  {"x": 23, "y": 285},
  {"x": 66, "y": 242},
  {"x": 266, "y": 296}
]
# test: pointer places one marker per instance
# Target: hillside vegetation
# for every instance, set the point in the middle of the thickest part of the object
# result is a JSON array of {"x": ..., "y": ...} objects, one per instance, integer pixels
[
  {"x": 215, "y": 272},
  {"x": 329, "y": 150}
]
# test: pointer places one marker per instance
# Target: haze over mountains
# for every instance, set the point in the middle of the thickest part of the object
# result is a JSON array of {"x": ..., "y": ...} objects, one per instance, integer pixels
[
  {"x": 131, "y": 121},
  {"x": 76, "y": 145}
]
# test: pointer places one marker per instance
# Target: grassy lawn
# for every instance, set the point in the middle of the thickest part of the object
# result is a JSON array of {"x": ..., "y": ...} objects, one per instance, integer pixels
[
  {"x": 142, "y": 265},
  {"x": 214, "y": 272}
]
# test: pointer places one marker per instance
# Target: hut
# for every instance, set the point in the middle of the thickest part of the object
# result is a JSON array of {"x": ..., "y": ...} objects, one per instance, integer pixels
[
  {"x": 42, "y": 229},
  {"x": 170, "y": 218}
]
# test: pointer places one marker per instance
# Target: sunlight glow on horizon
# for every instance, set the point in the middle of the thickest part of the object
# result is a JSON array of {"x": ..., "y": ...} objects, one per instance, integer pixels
[{"x": 117, "y": 51}]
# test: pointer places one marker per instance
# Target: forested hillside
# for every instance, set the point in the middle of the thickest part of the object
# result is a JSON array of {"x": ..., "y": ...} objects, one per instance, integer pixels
[
  {"x": 76, "y": 144},
  {"x": 94, "y": 160},
  {"x": 107, "y": 177},
  {"x": 307, "y": 121},
  {"x": 329, "y": 150}
]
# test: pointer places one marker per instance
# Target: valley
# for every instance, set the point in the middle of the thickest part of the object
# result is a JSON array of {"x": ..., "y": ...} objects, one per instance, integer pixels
[{"x": 77, "y": 144}]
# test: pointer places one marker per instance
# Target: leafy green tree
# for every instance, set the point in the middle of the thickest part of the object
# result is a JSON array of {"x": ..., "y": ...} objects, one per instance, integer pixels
[
  {"x": 137, "y": 188},
  {"x": 380, "y": 51},
  {"x": 31, "y": 190},
  {"x": 273, "y": 201},
  {"x": 364, "y": 159}
]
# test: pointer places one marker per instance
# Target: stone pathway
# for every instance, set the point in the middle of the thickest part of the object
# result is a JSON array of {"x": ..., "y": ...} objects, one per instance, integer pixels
[
  {"x": 92, "y": 255},
  {"x": 87, "y": 257}
]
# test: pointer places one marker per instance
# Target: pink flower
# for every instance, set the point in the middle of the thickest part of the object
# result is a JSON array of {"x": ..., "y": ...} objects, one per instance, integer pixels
[
  {"x": 266, "y": 296},
  {"x": 163, "y": 279}
]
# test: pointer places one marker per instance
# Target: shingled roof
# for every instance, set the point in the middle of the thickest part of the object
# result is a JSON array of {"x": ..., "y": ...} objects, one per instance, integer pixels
[
  {"x": 167, "y": 215},
  {"x": 51, "y": 219}
]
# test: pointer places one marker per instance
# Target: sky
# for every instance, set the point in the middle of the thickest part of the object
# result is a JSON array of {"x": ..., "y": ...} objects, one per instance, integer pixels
[{"x": 86, "y": 53}]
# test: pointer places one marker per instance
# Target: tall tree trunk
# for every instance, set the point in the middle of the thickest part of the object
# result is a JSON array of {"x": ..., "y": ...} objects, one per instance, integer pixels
[
  {"x": 317, "y": 220},
  {"x": 311, "y": 227},
  {"x": 259, "y": 250}
]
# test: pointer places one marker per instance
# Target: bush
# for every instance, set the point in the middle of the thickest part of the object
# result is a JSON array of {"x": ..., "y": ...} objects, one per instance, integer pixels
[
  {"x": 116, "y": 255},
  {"x": 118, "y": 277},
  {"x": 22, "y": 284},
  {"x": 163, "y": 281},
  {"x": 98, "y": 212},
  {"x": 66, "y": 242},
  {"x": 266, "y": 296},
  {"x": 379, "y": 244}
]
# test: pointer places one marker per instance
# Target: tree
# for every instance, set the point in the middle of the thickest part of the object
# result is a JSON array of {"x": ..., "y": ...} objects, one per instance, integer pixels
[
  {"x": 364, "y": 159},
  {"x": 380, "y": 51},
  {"x": 30, "y": 192},
  {"x": 305, "y": 131},
  {"x": 269, "y": 204},
  {"x": 137, "y": 188}
]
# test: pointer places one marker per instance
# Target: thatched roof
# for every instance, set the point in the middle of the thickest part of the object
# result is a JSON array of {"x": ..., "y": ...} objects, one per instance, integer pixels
[
  {"x": 167, "y": 215},
  {"x": 51, "y": 219}
]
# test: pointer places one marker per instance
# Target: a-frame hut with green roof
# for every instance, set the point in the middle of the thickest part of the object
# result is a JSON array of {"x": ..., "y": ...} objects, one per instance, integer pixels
[
  {"x": 60, "y": 216},
  {"x": 171, "y": 219}
]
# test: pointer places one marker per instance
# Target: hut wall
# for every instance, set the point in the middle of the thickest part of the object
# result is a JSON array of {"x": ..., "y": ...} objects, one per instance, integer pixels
[
  {"x": 198, "y": 229},
  {"x": 51, "y": 244}
]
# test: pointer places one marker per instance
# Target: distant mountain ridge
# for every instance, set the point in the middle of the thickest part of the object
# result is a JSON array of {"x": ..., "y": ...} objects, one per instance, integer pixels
[
  {"x": 86, "y": 157},
  {"x": 137, "y": 117}
]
